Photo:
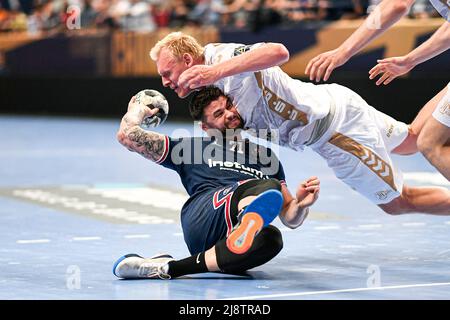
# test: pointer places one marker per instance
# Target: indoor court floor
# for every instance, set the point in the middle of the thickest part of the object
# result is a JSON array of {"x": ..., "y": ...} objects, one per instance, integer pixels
[{"x": 73, "y": 200}]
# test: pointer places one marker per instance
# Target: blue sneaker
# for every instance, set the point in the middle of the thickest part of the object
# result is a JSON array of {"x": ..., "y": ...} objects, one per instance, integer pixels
[{"x": 258, "y": 214}]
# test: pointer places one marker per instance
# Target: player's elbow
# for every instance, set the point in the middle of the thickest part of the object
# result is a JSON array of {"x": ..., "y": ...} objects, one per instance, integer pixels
[
  {"x": 283, "y": 53},
  {"x": 280, "y": 52},
  {"x": 292, "y": 225},
  {"x": 122, "y": 138},
  {"x": 289, "y": 222}
]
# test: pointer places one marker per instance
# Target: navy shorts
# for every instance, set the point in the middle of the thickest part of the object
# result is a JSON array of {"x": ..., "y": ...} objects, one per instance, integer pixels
[{"x": 208, "y": 218}]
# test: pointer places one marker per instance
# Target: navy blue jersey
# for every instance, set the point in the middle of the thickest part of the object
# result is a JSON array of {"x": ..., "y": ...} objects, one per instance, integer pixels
[
  {"x": 210, "y": 172},
  {"x": 205, "y": 164}
]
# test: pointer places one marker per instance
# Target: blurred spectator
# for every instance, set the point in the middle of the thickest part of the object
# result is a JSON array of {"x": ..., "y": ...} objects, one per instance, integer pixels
[
  {"x": 297, "y": 10},
  {"x": 103, "y": 18},
  {"x": 179, "y": 14},
  {"x": 138, "y": 17},
  {"x": 206, "y": 12},
  {"x": 241, "y": 13},
  {"x": 147, "y": 15},
  {"x": 161, "y": 13},
  {"x": 88, "y": 14},
  {"x": 341, "y": 9}
]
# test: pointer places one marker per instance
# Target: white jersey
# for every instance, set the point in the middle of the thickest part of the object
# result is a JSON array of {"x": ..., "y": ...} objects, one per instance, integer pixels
[
  {"x": 270, "y": 99},
  {"x": 355, "y": 139}
]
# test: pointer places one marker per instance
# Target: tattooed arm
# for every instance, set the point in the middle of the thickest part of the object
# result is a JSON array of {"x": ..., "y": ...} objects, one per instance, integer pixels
[{"x": 147, "y": 143}]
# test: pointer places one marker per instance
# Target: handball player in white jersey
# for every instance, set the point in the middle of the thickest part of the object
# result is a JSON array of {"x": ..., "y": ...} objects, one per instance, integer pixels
[{"x": 355, "y": 139}]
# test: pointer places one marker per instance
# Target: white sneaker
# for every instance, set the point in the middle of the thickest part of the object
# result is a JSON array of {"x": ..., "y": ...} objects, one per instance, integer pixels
[{"x": 133, "y": 266}]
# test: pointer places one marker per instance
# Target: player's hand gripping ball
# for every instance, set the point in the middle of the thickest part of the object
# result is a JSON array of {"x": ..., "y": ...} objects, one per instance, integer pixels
[{"x": 153, "y": 99}]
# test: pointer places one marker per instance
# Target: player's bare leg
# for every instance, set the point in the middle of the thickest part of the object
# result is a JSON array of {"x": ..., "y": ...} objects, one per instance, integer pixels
[
  {"x": 409, "y": 145},
  {"x": 434, "y": 143},
  {"x": 430, "y": 200}
]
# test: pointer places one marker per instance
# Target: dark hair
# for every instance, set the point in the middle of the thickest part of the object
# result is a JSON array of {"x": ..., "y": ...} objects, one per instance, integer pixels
[{"x": 202, "y": 98}]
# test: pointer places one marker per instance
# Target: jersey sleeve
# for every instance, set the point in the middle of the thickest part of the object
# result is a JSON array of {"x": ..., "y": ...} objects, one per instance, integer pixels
[
  {"x": 275, "y": 169},
  {"x": 166, "y": 159},
  {"x": 280, "y": 174},
  {"x": 219, "y": 52}
]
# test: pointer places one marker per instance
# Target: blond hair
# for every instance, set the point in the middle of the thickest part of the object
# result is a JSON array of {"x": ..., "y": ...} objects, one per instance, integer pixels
[{"x": 178, "y": 44}]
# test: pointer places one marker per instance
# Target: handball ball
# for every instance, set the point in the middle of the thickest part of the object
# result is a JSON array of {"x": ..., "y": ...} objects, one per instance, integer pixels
[{"x": 153, "y": 99}]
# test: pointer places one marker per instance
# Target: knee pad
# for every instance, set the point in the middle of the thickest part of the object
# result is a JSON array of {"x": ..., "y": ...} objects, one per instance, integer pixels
[{"x": 267, "y": 244}]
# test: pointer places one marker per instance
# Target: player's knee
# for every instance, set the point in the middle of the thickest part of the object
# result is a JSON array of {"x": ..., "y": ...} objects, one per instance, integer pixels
[
  {"x": 391, "y": 209},
  {"x": 401, "y": 204},
  {"x": 267, "y": 244},
  {"x": 424, "y": 144},
  {"x": 273, "y": 184},
  {"x": 271, "y": 239}
]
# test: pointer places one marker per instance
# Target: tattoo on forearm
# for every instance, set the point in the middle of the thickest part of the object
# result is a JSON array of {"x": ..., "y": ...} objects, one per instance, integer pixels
[{"x": 148, "y": 144}]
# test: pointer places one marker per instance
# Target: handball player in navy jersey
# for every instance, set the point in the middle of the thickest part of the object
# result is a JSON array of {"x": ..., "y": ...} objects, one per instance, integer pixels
[{"x": 236, "y": 188}]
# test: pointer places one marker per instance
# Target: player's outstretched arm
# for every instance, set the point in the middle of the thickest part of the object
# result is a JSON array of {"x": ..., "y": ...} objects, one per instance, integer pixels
[
  {"x": 263, "y": 57},
  {"x": 147, "y": 143},
  {"x": 295, "y": 210},
  {"x": 391, "y": 68},
  {"x": 385, "y": 15}
]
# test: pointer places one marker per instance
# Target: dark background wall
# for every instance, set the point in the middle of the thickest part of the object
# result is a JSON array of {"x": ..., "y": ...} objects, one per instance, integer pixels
[
  {"x": 96, "y": 74},
  {"x": 108, "y": 97}
]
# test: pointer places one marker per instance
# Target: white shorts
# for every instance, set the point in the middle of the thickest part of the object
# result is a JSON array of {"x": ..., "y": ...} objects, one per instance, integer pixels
[
  {"x": 442, "y": 111},
  {"x": 357, "y": 146}
]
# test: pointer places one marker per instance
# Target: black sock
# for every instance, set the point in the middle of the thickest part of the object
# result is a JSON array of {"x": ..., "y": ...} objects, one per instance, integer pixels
[{"x": 190, "y": 265}]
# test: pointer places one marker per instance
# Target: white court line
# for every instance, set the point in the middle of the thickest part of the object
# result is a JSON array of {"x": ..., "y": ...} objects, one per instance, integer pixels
[
  {"x": 178, "y": 234},
  {"x": 351, "y": 246},
  {"x": 370, "y": 226},
  {"x": 86, "y": 238},
  {"x": 137, "y": 236},
  {"x": 327, "y": 228},
  {"x": 414, "y": 224},
  {"x": 33, "y": 241},
  {"x": 310, "y": 293}
]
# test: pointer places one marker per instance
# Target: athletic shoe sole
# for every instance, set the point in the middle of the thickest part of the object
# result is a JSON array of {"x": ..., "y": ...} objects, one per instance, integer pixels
[{"x": 258, "y": 214}]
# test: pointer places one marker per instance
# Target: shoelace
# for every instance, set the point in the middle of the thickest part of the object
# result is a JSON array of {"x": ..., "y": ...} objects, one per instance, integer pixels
[
  {"x": 150, "y": 271},
  {"x": 162, "y": 274}
]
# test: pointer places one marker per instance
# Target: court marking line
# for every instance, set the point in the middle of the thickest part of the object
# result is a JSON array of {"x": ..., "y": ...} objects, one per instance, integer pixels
[
  {"x": 86, "y": 238},
  {"x": 414, "y": 224},
  {"x": 327, "y": 228},
  {"x": 33, "y": 241},
  {"x": 370, "y": 226},
  {"x": 136, "y": 236},
  {"x": 310, "y": 293}
]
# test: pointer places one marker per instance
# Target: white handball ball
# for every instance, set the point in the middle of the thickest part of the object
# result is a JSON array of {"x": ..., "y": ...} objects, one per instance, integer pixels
[{"x": 153, "y": 99}]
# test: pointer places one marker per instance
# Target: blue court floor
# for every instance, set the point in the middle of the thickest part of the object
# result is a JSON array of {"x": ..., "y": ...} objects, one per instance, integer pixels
[{"x": 73, "y": 200}]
